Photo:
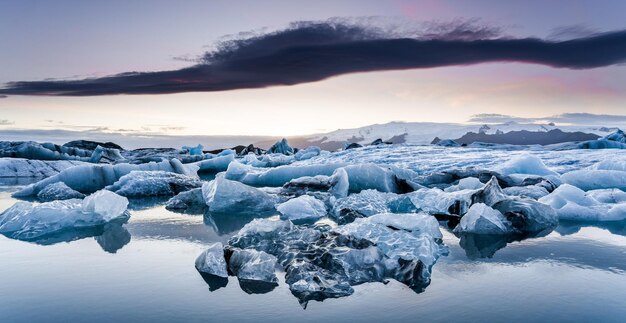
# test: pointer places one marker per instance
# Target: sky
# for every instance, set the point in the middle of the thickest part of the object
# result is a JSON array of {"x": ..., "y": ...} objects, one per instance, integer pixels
[{"x": 82, "y": 41}]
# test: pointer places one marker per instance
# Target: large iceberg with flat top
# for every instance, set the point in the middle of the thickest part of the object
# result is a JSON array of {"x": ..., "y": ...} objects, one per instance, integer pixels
[
  {"x": 153, "y": 183},
  {"x": 29, "y": 221},
  {"x": 226, "y": 196}
]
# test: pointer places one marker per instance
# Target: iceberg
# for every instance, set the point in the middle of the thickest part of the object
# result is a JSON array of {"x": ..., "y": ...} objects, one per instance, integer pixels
[
  {"x": 370, "y": 202},
  {"x": 275, "y": 177},
  {"x": 525, "y": 164},
  {"x": 30, "y": 221},
  {"x": 370, "y": 176},
  {"x": 468, "y": 183},
  {"x": 58, "y": 191},
  {"x": 527, "y": 215},
  {"x": 90, "y": 178},
  {"x": 197, "y": 150},
  {"x": 213, "y": 165},
  {"x": 531, "y": 191},
  {"x": 322, "y": 264},
  {"x": 308, "y": 153},
  {"x": 18, "y": 167},
  {"x": 337, "y": 184},
  {"x": 588, "y": 179},
  {"x": 302, "y": 208},
  {"x": 153, "y": 183},
  {"x": 250, "y": 264},
  {"x": 191, "y": 201},
  {"x": 212, "y": 262},
  {"x": 481, "y": 219},
  {"x": 281, "y": 147},
  {"x": 226, "y": 196},
  {"x": 572, "y": 203}
]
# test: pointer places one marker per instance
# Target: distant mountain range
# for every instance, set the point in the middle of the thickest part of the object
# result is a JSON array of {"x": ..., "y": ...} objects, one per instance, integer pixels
[{"x": 424, "y": 133}]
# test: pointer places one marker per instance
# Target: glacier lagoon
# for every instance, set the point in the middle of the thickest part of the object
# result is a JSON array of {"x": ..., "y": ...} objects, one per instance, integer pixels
[{"x": 143, "y": 269}]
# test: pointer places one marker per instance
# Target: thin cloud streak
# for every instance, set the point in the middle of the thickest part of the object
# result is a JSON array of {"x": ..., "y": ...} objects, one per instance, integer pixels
[{"x": 309, "y": 52}]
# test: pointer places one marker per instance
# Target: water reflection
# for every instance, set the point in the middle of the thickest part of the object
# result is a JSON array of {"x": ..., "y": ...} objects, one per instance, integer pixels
[
  {"x": 214, "y": 282},
  {"x": 111, "y": 236},
  {"x": 486, "y": 245},
  {"x": 570, "y": 227}
]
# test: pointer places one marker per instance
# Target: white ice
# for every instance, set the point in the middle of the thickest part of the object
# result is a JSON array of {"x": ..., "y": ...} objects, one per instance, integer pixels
[
  {"x": 58, "y": 191},
  {"x": 304, "y": 207},
  {"x": 482, "y": 219},
  {"x": 153, "y": 183},
  {"x": 572, "y": 203},
  {"x": 211, "y": 261},
  {"x": 28, "y": 221},
  {"x": 226, "y": 196}
]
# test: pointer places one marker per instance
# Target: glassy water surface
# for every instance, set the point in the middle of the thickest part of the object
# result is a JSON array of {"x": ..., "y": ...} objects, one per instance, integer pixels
[{"x": 143, "y": 270}]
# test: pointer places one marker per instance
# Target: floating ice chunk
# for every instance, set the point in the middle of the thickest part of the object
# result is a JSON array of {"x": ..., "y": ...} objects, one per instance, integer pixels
[
  {"x": 437, "y": 201},
  {"x": 401, "y": 247},
  {"x": 416, "y": 223},
  {"x": 532, "y": 191},
  {"x": 226, "y": 196},
  {"x": 611, "y": 195},
  {"x": 215, "y": 164},
  {"x": 370, "y": 202},
  {"x": 525, "y": 164},
  {"x": 481, "y": 219},
  {"x": 191, "y": 200},
  {"x": 58, "y": 191},
  {"x": 340, "y": 183},
  {"x": 281, "y": 147},
  {"x": 617, "y": 136},
  {"x": 337, "y": 184},
  {"x": 572, "y": 203},
  {"x": 107, "y": 154},
  {"x": 527, "y": 215},
  {"x": 596, "y": 179},
  {"x": 90, "y": 178},
  {"x": 42, "y": 151},
  {"x": 468, "y": 183},
  {"x": 308, "y": 153},
  {"x": 153, "y": 183},
  {"x": 197, "y": 150},
  {"x": 310, "y": 282},
  {"x": 370, "y": 176},
  {"x": 304, "y": 207},
  {"x": 108, "y": 204},
  {"x": 278, "y": 176},
  {"x": 28, "y": 221},
  {"x": 18, "y": 167},
  {"x": 212, "y": 262},
  {"x": 610, "y": 165},
  {"x": 250, "y": 264}
]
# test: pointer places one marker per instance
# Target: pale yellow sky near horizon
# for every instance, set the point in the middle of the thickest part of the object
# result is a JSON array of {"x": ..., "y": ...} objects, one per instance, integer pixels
[{"x": 450, "y": 94}]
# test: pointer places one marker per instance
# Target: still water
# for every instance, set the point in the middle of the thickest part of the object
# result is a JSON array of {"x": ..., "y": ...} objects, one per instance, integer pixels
[{"x": 144, "y": 270}]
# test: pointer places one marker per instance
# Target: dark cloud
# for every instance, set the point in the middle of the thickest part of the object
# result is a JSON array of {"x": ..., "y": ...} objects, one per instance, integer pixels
[
  {"x": 313, "y": 51},
  {"x": 565, "y": 118},
  {"x": 5, "y": 122}
]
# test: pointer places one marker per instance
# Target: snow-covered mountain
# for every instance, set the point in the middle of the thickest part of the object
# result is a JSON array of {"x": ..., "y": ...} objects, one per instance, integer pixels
[{"x": 425, "y": 132}]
